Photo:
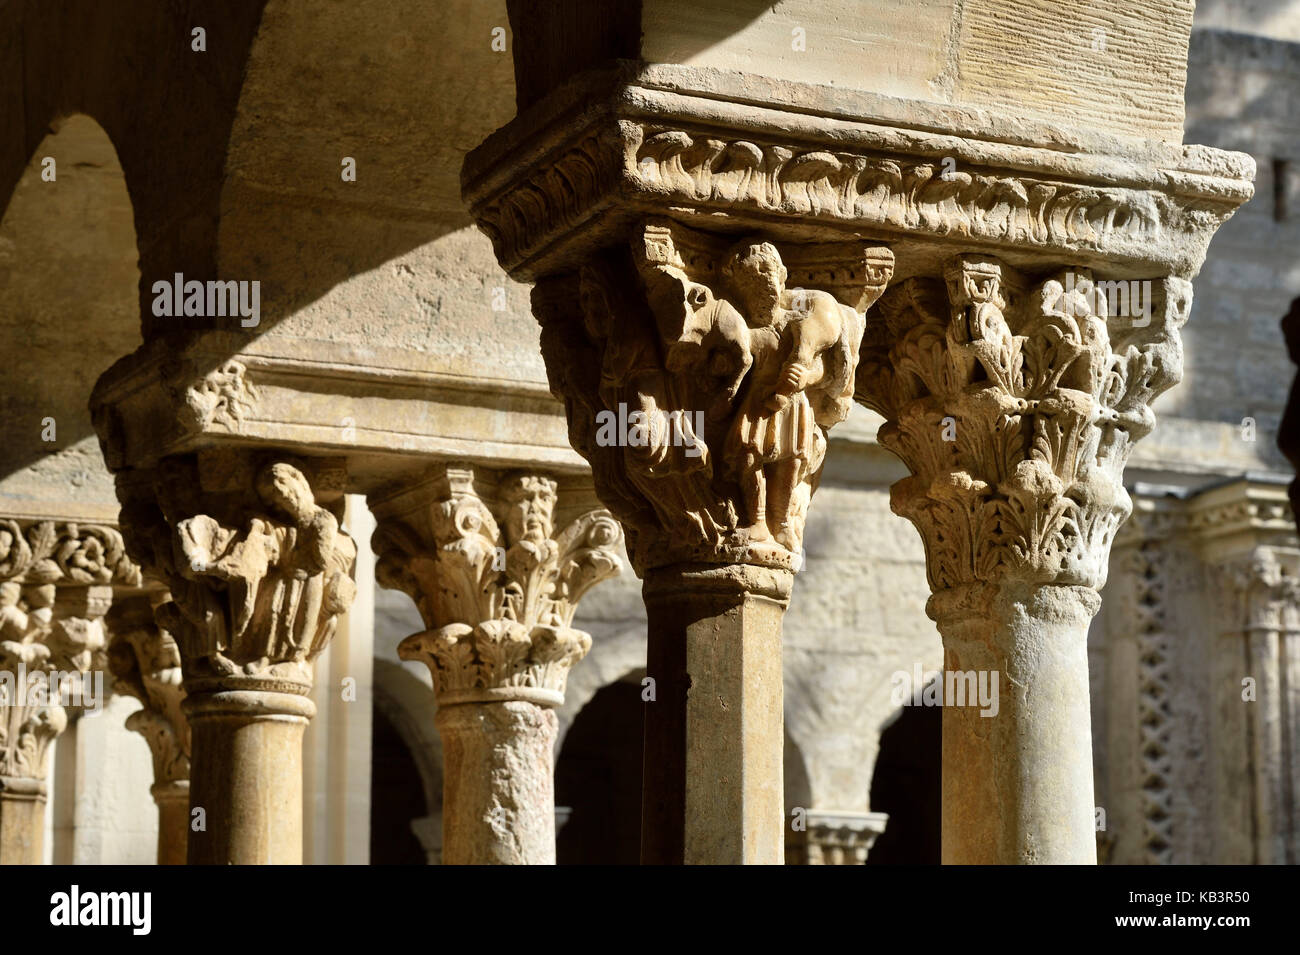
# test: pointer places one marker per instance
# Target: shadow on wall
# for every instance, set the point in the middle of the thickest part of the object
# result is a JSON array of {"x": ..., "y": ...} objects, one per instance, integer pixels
[
  {"x": 907, "y": 786},
  {"x": 68, "y": 299},
  {"x": 346, "y": 147},
  {"x": 566, "y": 39},
  {"x": 234, "y": 144}
]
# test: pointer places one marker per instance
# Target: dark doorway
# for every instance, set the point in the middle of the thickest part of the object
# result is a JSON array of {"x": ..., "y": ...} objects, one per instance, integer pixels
[
  {"x": 396, "y": 797},
  {"x": 906, "y": 785},
  {"x": 598, "y": 777}
]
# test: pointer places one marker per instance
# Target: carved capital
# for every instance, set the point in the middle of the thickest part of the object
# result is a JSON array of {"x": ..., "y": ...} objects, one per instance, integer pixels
[
  {"x": 52, "y": 648},
  {"x": 258, "y": 567},
  {"x": 25, "y": 736},
  {"x": 1259, "y": 591},
  {"x": 146, "y": 663},
  {"x": 496, "y": 586},
  {"x": 834, "y": 838},
  {"x": 700, "y": 374},
  {"x": 1015, "y": 404}
]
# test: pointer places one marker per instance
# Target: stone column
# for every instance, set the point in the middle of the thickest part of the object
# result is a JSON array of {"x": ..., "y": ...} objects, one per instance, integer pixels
[
  {"x": 146, "y": 664},
  {"x": 250, "y": 547},
  {"x": 498, "y": 592},
  {"x": 699, "y": 374},
  {"x": 1015, "y": 404},
  {"x": 1257, "y": 704},
  {"x": 777, "y": 192},
  {"x": 57, "y": 584}
]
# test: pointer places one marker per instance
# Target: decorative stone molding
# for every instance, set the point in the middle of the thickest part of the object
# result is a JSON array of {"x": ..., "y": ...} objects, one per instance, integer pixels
[
  {"x": 1154, "y": 717},
  {"x": 734, "y": 356},
  {"x": 1202, "y": 600},
  {"x": 1016, "y": 407},
  {"x": 64, "y": 553},
  {"x": 1259, "y": 591},
  {"x": 388, "y": 410},
  {"x": 497, "y": 592},
  {"x": 146, "y": 663},
  {"x": 221, "y": 397},
  {"x": 705, "y": 142},
  {"x": 1258, "y": 603},
  {"x": 834, "y": 838},
  {"x": 257, "y": 568}
]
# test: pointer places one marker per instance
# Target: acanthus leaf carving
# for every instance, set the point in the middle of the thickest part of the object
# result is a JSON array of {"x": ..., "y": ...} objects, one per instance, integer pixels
[
  {"x": 1015, "y": 408},
  {"x": 498, "y": 595},
  {"x": 145, "y": 661}
]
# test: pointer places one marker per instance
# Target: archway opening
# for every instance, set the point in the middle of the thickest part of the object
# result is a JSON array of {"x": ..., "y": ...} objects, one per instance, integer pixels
[
  {"x": 396, "y": 797},
  {"x": 907, "y": 785},
  {"x": 598, "y": 780}
]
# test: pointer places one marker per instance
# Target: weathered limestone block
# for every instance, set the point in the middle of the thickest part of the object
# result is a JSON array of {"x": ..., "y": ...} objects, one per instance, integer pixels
[
  {"x": 258, "y": 570},
  {"x": 498, "y": 592}
]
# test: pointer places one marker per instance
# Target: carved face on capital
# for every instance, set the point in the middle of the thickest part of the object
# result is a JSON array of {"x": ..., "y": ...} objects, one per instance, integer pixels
[
  {"x": 531, "y": 502},
  {"x": 756, "y": 274},
  {"x": 284, "y": 487}
]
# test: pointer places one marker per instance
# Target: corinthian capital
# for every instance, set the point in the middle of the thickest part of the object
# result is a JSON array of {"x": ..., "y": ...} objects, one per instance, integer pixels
[
  {"x": 256, "y": 562},
  {"x": 1015, "y": 404},
  {"x": 146, "y": 663},
  {"x": 699, "y": 375},
  {"x": 496, "y": 585}
]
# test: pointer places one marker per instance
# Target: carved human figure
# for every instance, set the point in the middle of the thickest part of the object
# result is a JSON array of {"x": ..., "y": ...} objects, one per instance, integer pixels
[{"x": 774, "y": 442}]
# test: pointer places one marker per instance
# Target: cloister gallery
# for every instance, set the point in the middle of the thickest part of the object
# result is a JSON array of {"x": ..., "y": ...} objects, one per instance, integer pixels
[{"x": 519, "y": 432}]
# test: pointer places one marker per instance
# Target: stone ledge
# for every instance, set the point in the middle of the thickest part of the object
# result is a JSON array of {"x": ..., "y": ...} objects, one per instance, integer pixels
[
  {"x": 376, "y": 407},
  {"x": 812, "y": 164}
]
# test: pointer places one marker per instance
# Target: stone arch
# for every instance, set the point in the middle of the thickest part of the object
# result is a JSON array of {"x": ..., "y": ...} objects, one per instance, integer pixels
[
  {"x": 333, "y": 254},
  {"x": 612, "y": 658},
  {"x": 166, "y": 108},
  {"x": 68, "y": 264}
]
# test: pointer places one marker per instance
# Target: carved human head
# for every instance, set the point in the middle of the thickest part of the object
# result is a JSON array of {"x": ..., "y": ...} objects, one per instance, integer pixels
[
  {"x": 530, "y": 500},
  {"x": 285, "y": 488},
  {"x": 755, "y": 271}
]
